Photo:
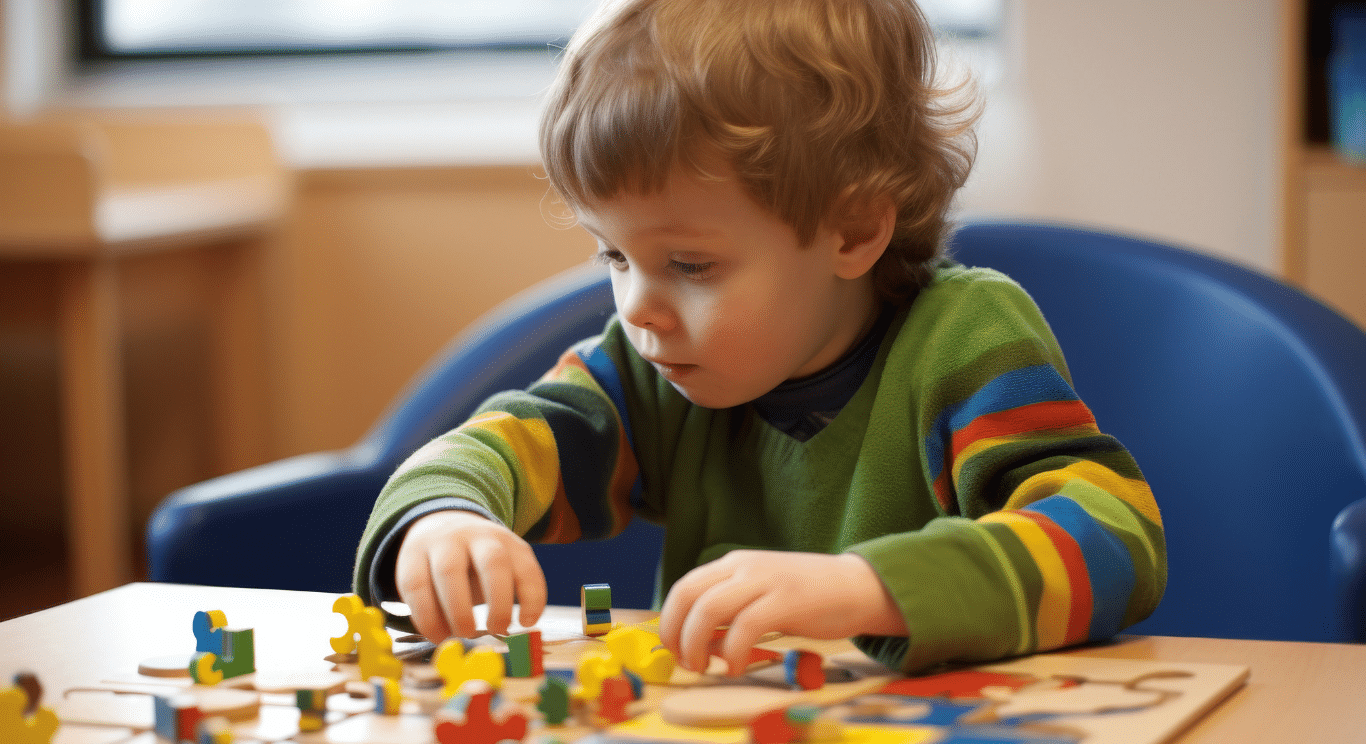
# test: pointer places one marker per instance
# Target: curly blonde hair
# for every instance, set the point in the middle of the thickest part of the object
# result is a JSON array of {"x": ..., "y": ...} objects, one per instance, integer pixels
[{"x": 817, "y": 105}]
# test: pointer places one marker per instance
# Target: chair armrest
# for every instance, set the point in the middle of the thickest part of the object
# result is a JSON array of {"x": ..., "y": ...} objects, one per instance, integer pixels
[
  {"x": 1347, "y": 548},
  {"x": 244, "y": 529}
]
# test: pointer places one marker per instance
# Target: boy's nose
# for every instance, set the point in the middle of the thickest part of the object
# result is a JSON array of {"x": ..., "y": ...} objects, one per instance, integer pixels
[{"x": 642, "y": 304}]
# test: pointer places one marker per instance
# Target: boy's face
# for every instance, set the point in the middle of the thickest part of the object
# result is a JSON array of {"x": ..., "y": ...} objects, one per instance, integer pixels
[{"x": 716, "y": 292}]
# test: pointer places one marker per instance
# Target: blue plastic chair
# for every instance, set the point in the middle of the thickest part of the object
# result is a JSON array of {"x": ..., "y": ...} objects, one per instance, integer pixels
[
  {"x": 295, "y": 524},
  {"x": 1242, "y": 399},
  {"x": 1244, "y": 402}
]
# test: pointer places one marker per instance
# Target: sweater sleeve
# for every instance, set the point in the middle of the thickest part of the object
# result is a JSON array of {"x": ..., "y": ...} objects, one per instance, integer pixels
[
  {"x": 1049, "y": 535},
  {"x": 553, "y": 463}
]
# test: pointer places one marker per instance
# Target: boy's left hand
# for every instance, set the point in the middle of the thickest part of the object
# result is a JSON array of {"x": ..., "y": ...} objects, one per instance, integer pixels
[{"x": 814, "y": 595}]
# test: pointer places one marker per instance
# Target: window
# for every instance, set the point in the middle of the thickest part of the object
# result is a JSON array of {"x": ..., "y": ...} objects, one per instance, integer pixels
[{"x": 159, "y": 28}]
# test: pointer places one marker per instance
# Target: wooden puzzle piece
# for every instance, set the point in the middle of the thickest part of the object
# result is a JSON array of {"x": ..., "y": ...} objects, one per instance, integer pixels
[
  {"x": 166, "y": 666},
  {"x": 366, "y": 636},
  {"x": 592, "y": 669},
  {"x": 176, "y": 717},
  {"x": 473, "y": 719},
  {"x": 617, "y": 694},
  {"x": 553, "y": 700},
  {"x": 457, "y": 667},
  {"x": 804, "y": 669},
  {"x": 961, "y": 684},
  {"x": 596, "y": 603},
  {"x": 641, "y": 652},
  {"x": 220, "y": 653},
  {"x": 351, "y": 607},
  {"x": 23, "y": 719},
  {"x": 214, "y": 730},
  {"x": 388, "y": 696},
  {"x": 208, "y": 630},
  {"x": 525, "y": 656}
]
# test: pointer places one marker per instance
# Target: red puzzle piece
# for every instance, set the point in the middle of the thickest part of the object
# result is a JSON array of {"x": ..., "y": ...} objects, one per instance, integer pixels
[
  {"x": 774, "y": 727},
  {"x": 964, "y": 684},
  {"x": 477, "y": 726},
  {"x": 616, "y": 695}
]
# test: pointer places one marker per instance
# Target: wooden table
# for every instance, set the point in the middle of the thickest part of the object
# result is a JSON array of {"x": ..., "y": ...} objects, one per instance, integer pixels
[
  {"x": 83, "y": 197},
  {"x": 1298, "y": 692}
]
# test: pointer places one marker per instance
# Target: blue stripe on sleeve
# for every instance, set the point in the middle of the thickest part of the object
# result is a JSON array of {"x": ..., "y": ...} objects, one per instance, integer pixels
[
  {"x": 609, "y": 379},
  {"x": 1108, "y": 563}
]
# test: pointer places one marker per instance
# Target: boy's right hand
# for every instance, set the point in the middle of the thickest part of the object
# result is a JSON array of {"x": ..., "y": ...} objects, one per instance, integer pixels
[{"x": 451, "y": 561}]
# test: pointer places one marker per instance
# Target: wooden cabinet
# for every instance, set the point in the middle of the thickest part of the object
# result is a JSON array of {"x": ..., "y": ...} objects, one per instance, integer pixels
[
  {"x": 1324, "y": 197},
  {"x": 100, "y": 223}
]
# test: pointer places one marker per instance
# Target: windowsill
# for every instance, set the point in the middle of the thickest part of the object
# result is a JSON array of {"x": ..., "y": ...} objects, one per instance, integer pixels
[
  {"x": 428, "y": 109},
  {"x": 359, "y": 111}
]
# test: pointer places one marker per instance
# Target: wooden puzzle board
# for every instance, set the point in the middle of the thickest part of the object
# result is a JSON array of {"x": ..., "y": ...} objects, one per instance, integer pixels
[
  {"x": 1168, "y": 695},
  {"x": 1049, "y": 699}
]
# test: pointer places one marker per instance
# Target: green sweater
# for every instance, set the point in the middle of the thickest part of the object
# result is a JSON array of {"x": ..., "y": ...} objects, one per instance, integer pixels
[{"x": 964, "y": 469}]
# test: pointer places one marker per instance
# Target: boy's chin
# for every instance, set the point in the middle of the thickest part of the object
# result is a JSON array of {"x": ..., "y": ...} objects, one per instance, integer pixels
[{"x": 704, "y": 400}]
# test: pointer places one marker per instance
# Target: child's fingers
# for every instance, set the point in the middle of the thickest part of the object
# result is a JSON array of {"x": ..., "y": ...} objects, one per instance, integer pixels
[
  {"x": 530, "y": 585},
  {"x": 716, "y": 607},
  {"x": 493, "y": 567},
  {"x": 746, "y": 628},
  {"x": 416, "y": 590},
  {"x": 681, "y": 600},
  {"x": 451, "y": 575}
]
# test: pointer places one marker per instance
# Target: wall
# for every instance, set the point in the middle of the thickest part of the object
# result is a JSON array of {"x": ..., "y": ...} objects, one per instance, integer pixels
[
  {"x": 1157, "y": 117},
  {"x": 378, "y": 269}
]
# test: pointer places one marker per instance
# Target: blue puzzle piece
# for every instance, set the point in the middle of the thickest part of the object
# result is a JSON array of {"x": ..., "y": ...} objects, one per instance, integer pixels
[
  {"x": 208, "y": 637},
  {"x": 942, "y": 712}
]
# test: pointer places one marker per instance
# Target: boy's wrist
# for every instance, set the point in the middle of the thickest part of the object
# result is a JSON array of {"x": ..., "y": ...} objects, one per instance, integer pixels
[{"x": 881, "y": 615}]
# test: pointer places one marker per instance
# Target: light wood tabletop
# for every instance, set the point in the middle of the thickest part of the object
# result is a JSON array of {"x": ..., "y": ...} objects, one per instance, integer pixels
[{"x": 1309, "y": 692}]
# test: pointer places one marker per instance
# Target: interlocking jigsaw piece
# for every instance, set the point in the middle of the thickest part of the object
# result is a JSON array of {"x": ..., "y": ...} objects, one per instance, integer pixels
[
  {"x": 388, "y": 696},
  {"x": 221, "y": 653},
  {"x": 23, "y": 719},
  {"x": 469, "y": 719},
  {"x": 554, "y": 700},
  {"x": 365, "y": 634},
  {"x": 592, "y": 669},
  {"x": 617, "y": 693},
  {"x": 641, "y": 652},
  {"x": 457, "y": 667}
]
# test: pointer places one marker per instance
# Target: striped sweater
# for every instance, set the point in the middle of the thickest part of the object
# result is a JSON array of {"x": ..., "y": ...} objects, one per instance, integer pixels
[{"x": 964, "y": 469}]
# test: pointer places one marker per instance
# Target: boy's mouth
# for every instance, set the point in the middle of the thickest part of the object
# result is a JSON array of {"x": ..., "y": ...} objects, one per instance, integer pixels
[{"x": 673, "y": 372}]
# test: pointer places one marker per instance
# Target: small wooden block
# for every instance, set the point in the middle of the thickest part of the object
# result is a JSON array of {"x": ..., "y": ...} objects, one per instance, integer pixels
[
  {"x": 803, "y": 669},
  {"x": 166, "y": 666}
]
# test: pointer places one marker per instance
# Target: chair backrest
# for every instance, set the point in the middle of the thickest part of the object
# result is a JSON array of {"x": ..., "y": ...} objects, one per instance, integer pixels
[
  {"x": 510, "y": 348},
  {"x": 1242, "y": 399}
]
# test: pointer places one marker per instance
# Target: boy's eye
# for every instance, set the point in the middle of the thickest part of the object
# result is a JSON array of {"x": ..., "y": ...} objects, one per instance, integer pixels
[
  {"x": 693, "y": 270},
  {"x": 611, "y": 257}
]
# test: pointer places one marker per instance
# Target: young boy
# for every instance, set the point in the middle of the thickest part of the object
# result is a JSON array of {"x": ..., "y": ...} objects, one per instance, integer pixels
[{"x": 844, "y": 434}]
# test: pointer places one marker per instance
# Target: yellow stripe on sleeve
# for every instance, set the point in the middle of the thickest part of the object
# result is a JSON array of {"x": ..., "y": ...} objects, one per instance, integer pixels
[
  {"x": 537, "y": 461},
  {"x": 1055, "y": 602}
]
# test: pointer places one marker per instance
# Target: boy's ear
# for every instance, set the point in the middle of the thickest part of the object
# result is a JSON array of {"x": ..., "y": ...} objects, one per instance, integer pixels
[{"x": 865, "y": 229}]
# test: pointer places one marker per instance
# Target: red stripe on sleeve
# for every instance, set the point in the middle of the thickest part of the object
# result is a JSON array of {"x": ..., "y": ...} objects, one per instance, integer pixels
[
  {"x": 1078, "y": 578},
  {"x": 1049, "y": 414}
]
